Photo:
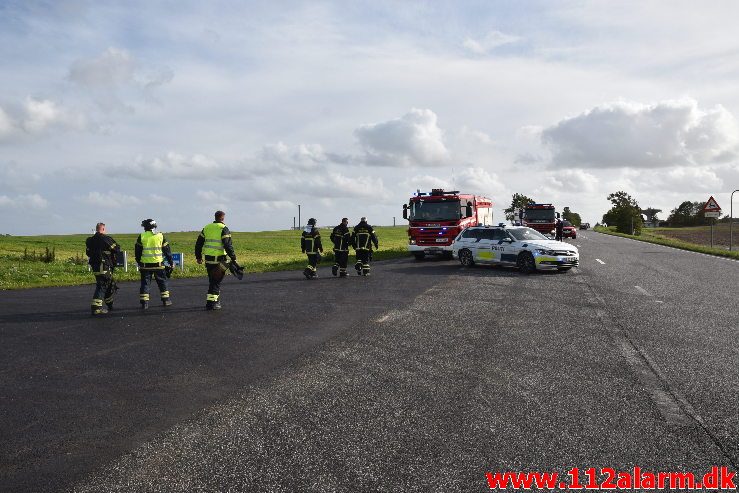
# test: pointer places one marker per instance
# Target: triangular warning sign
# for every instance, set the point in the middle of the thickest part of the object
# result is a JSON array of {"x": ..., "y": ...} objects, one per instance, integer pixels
[{"x": 711, "y": 205}]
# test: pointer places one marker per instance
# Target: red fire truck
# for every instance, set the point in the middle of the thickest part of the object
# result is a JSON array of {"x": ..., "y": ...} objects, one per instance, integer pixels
[
  {"x": 540, "y": 217},
  {"x": 436, "y": 218}
]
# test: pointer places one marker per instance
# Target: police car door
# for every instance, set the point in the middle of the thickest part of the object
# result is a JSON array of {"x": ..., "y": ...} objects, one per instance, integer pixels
[
  {"x": 509, "y": 247},
  {"x": 483, "y": 247}
]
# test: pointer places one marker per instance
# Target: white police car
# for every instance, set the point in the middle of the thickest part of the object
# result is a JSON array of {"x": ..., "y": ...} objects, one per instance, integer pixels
[{"x": 517, "y": 246}]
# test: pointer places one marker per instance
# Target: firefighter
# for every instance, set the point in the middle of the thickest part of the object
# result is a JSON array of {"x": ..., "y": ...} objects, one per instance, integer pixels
[
  {"x": 310, "y": 244},
  {"x": 102, "y": 251},
  {"x": 152, "y": 249},
  {"x": 341, "y": 238},
  {"x": 363, "y": 237},
  {"x": 558, "y": 230},
  {"x": 214, "y": 244}
]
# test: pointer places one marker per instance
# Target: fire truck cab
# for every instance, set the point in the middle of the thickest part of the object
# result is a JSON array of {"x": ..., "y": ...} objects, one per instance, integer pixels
[
  {"x": 436, "y": 218},
  {"x": 541, "y": 217}
]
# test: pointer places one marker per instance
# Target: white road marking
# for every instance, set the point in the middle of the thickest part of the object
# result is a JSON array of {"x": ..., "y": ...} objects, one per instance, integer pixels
[
  {"x": 658, "y": 301},
  {"x": 643, "y": 291},
  {"x": 383, "y": 318},
  {"x": 599, "y": 260},
  {"x": 578, "y": 246}
]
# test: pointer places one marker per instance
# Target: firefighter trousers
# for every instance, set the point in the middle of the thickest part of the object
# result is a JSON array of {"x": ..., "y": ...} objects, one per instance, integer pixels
[
  {"x": 103, "y": 290},
  {"x": 161, "y": 279},
  {"x": 216, "y": 273},
  {"x": 363, "y": 262},
  {"x": 341, "y": 260}
]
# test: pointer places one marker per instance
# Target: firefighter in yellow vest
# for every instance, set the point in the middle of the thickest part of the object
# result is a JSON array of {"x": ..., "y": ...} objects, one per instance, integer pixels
[
  {"x": 152, "y": 249},
  {"x": 102, "y": 252},
  {"x": 310, "y": 244},
  {"x": 363, "y": 237},
  {"x": 214, "y": 244}
]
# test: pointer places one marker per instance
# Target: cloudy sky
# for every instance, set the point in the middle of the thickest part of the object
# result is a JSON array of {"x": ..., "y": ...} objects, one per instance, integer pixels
[{"x": 120, "y": 111}]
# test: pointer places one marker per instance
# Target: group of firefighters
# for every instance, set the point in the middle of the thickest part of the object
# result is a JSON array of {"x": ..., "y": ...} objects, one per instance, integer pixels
[{"x": 214, "y": 248}]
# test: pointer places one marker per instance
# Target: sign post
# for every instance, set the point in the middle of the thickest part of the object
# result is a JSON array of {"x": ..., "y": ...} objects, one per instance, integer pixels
[
  {"x": 731, "y": 219},
  {"x": 713, "y": 210}
]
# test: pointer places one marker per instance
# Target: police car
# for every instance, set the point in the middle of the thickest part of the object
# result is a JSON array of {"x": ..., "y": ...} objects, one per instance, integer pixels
[{"x": 517, "y": 246}]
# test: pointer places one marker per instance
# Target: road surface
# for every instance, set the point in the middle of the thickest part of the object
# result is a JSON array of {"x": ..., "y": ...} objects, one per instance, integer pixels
[{"x": 422, "y": 377}]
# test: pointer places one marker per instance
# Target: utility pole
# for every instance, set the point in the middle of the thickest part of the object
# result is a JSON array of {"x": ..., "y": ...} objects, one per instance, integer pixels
[
  {"x": 731, "y": 219},
  {"x": 299, "y": 222}
]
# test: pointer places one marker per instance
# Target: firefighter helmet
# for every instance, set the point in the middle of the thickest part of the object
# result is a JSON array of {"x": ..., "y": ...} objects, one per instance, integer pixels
[
  {"x": 148, "y": 224},
  {"x": 312, "y": 221}
]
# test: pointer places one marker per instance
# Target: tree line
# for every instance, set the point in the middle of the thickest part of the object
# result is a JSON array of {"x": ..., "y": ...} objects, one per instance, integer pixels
[{"x": 626, "y": 215}]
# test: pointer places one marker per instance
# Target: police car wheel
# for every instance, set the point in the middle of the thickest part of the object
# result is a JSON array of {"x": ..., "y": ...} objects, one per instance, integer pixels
[
  {"x": 465, "y": 258},
  {"x": 526, "y": 263},
  {"x": 419, "y": 255}
]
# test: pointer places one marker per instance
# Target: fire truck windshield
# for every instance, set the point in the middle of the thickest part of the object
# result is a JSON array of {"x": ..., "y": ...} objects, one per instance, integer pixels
[
  {"x": 544, "y": 215},
  {"x": 426, "y": 210}
]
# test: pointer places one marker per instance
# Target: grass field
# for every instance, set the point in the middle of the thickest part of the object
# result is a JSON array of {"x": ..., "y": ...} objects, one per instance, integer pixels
[
  {"x": 696, "y": 239},
  {"x": 259, "y": 252}
]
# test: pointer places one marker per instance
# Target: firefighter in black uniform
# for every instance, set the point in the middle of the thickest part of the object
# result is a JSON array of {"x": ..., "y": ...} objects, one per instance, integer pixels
[
  {"x": 102, "y": 251},
  {"x": 341, "y": 238},
  {"x": 558, "y": 230},
  {"x": 214, "y": 243},
  {"x": 310, "y": 244},
  {"x": 363, "y": 237},
  {"x": 152, "y": 249}
]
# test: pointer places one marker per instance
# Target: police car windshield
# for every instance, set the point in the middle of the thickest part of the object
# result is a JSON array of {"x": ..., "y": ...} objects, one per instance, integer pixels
[
  {"x": 425, "y": 210},
  {"x": 526, "y": 234}
]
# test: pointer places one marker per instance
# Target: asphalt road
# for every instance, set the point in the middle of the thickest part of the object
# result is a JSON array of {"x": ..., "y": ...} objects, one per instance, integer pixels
[{"x": 423, "y": 377}]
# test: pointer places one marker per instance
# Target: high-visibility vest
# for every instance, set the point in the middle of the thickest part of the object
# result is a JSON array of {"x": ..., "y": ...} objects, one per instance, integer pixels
[
  {"x": 213, "y": 244},
  {"x": 151, "y": 244}
]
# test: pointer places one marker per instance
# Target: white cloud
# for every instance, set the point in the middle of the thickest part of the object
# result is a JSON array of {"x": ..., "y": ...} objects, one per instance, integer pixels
[
  {"x": 413, "y": 139},
  {"x": 32, "y": 201},
  {"x": 467, "y": 180},
  {"x": 669, "y": 133},
  {"x": 36, "y": 116},
  {"x": 113, "y": 67},
  {"x": 490, "y": 42},
  {"x": 573, "y": 180},
  {"x": 110, "y": 200},
  {"x": 112, "y": 76}
]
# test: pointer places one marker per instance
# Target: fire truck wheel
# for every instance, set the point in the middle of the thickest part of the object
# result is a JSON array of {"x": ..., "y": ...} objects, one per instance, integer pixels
[
  {"x": 419, "y": 255},
  {"x": 465, "y": 258},
  {"x": 526, "y": 263}
]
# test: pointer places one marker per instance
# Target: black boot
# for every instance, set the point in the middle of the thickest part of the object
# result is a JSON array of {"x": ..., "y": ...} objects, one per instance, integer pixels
[
  {"x": 97, "y": 311},
  {"x": 334, "y": 269},
  {"x": 144, "y": 305},
  {"x": 167, "y": 302}
]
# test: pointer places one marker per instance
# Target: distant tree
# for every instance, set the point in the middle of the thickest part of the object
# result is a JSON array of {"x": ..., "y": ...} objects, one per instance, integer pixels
[
  {"x": 625, "y": 213},
  {"x": 687, "y": 214},
  {"x": 572, "y": 217},
  {"x": 519, "y": 202}
]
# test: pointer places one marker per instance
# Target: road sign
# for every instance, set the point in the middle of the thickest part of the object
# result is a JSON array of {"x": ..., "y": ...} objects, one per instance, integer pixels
[
  {"x": 179, "y": 259},
  {"x": 712, "y": 214},
  {"x": 711, "y": 206}
]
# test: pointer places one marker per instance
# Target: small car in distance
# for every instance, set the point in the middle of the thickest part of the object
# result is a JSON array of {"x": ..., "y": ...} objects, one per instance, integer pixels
[
  {"x": 585, "y": 226},
  {"x": 568, "y": 230},
  {"x": 516, "y": 246}
]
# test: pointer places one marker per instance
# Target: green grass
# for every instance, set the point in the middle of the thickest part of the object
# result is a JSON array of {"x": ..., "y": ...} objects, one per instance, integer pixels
[
  {"x": 653, "y": 237},
  {"x": 264, "y": 251}
]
